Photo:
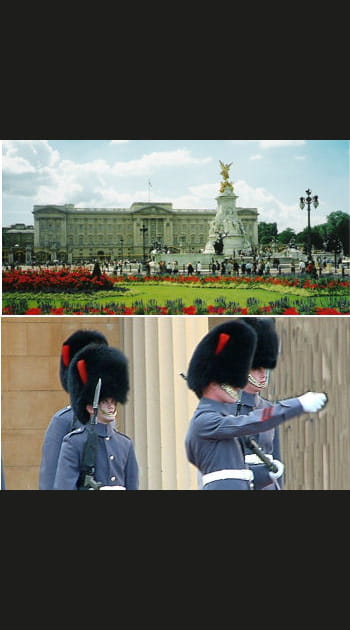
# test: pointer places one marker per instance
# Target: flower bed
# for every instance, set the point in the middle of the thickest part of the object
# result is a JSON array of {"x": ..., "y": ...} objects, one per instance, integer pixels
[
  {"x": 284, "y": 295},
  {"x": 51, "y": 280},
  {"x": 177, "y": 307}
]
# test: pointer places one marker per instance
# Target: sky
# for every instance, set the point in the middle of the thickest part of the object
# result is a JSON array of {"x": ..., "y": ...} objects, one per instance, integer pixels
[{"x": 269, "y": 175}]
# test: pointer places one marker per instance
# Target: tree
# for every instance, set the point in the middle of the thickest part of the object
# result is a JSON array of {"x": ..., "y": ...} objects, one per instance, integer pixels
[
  {"x": 338, "y": 226},
  {"x": 333, "y": 244},
  {"x": 286, "y": 236},
  {"x": 317, "y": 237},
  {"x": 266, "y": 232}
]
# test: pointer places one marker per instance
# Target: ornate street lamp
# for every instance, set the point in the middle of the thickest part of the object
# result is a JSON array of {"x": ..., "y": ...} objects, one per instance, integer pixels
[
  {"x": 308, "y": 201},
  {"x": 121, "y": 240},
  {"x": 144, "y": 230}
]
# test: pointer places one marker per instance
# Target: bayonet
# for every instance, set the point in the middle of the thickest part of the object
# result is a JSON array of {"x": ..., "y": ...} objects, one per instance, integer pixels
[{"x": 96, "y": 401}]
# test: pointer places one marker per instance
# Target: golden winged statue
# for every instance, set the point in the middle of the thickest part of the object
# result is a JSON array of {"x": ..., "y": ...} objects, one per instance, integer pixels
[
  {"x": 225, "y": 184},
  {"x": 225, "y": 169}
]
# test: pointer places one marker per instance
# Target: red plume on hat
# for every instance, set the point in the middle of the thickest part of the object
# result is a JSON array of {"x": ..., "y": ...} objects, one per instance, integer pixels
[
  {"x": 224, "y": 355},
  {"x": 92, "y": 362},
  {"x": 72, "y": 345}
]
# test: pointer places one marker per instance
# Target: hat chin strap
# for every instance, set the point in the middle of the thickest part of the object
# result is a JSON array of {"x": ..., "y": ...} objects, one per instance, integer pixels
[
  {"x": 230, "y": 391},
  {"x": 259, "y": 384},
  {"x": 109, "y": 416}
]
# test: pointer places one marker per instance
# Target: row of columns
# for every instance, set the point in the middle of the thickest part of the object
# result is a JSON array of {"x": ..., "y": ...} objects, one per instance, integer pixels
[{"x": 158, "y": 412}]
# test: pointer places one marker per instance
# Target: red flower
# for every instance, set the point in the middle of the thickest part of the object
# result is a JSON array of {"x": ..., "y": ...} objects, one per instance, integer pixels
[
  {"x": 327, "y": 311},
  {"x": 290, "y": 311},
  {"x": 189, "y": 310}
]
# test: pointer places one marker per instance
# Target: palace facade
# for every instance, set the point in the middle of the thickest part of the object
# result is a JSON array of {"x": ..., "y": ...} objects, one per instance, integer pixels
[
  {"x": 17, "y": 244},
  {"x": 71, "y": 234}
]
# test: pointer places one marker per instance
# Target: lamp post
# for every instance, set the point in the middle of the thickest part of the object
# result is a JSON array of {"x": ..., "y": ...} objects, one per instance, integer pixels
[
  {"x": 121, "y": 240},
  {"x": 308, "y": 201},
  {"x": 144, "y": 230}
]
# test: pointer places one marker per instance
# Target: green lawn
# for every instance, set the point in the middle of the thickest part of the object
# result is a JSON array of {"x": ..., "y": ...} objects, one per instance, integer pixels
[{"x": 161, "y": 293}]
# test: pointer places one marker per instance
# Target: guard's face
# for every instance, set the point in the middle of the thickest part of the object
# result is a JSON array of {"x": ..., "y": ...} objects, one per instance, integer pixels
[
  {"x": 258, "y": 379},
  {"x": 107, "y": 410}
]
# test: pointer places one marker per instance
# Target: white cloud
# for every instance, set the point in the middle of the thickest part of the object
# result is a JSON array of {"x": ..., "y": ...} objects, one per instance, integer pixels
[
  {"x": 148, "y": 163},
  {"x": 256, "y": 157},
  {"x": 27, "y": 156},
  {"x": 274, "y": 144},
  {"x": 271, "y": 209}
]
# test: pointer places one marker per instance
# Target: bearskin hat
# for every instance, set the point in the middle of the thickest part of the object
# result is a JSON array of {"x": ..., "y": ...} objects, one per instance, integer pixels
[
  {"x": 72, "y": 345},
  {"x": 224, "y": 355},
  {"x": 92, "y": 362},
  {"x": 267, "y": 348}
]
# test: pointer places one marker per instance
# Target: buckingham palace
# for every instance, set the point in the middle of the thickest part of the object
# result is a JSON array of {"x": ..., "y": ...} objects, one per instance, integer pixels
[{"x": 71, "y": 234}]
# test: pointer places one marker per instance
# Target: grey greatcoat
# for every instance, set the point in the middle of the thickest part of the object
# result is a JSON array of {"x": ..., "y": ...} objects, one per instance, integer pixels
[
  {"x": 212, "y": 442},
  {"x": 269, "y": 441},
  {"x": 116, "y": 463},
  {"x": 61, "y": 423}
]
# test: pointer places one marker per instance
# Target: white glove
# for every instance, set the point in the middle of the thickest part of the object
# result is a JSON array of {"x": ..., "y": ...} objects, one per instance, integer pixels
[
  {"x": 312, "y": 402},
  {"x": 279, "y": 472}
]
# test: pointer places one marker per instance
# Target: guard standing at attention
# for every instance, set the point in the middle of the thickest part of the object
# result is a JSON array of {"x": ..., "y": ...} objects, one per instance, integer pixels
[
  {"x": 96, "y": 455},
  {"x": 63, "y": 421}
]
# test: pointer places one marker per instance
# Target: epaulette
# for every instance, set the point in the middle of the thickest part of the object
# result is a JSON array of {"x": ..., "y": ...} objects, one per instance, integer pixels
[
  {"x": 60, "y": 412},
  {"x": 76, "y": 431},
  {"x": 120, "y": 433}
]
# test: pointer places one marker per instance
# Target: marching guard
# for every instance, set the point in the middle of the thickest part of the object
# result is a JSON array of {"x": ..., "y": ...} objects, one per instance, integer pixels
[
  {"x": 266, "y": 476},
  {"x": 218, "y": 370}
]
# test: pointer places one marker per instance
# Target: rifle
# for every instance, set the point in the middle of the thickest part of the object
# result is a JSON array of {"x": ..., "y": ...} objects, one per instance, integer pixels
[
  {"x": 254, "y": 446},
  {"x": 86, "y": 479}
]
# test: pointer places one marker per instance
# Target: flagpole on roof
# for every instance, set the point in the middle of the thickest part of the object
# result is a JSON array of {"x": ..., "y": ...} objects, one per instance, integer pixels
[{"x": 149, "y": 190}]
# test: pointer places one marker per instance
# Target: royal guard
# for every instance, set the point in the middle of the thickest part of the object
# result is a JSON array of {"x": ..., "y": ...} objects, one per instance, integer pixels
[
  {"x": 63, "y": 421},
  {"x": 262, "y": 451},
  {"x": 217, "y": 373},
  {"x": 96, "y": 456}
]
